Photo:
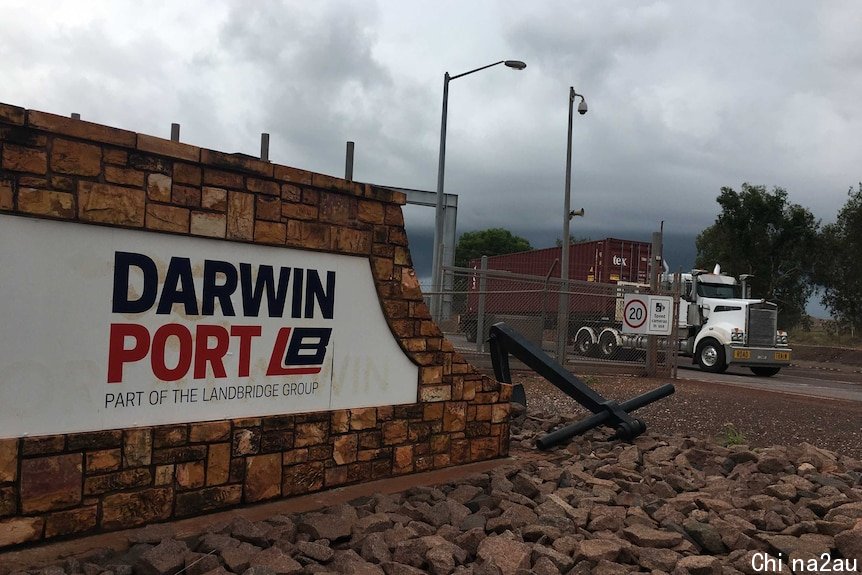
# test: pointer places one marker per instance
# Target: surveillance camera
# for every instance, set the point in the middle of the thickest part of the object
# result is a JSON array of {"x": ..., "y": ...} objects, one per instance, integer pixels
[{"x": 582, "y": 107}]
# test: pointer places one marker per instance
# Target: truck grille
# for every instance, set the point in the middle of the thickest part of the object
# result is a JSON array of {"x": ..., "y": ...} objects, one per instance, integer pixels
[{"x": 762, "y": 322}]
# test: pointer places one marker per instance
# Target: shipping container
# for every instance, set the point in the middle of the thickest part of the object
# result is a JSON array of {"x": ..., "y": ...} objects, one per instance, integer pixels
[
  {"x": 609, "y": 260},
  {"x": 601, "y": 262}
]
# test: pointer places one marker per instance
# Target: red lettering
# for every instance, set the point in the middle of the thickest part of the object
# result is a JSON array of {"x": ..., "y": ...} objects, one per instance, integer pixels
[
  {"x": 212, "y": 355},
  {"x": 160, "y": 341},
  {"x": 278, "y": 352},
  {"x": 296, "y": 351},
  {"x": 118, "y": 354},
  {"x": 245, "y": 333}
]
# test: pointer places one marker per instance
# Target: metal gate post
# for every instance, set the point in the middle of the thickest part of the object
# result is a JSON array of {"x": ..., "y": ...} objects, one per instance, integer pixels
[
  {"x": 450, "y": 218},
  {"x": 673, "y": 344},
  {"x": 652, "y": 344},
  {"x": 480, "y": 312}
]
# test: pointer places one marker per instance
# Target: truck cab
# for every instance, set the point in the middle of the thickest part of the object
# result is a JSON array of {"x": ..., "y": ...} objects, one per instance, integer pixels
[{"x": 721, "y": 326}]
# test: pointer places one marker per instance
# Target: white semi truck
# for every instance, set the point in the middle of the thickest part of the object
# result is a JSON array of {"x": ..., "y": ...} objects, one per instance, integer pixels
[{"x": 718, "y": 326}]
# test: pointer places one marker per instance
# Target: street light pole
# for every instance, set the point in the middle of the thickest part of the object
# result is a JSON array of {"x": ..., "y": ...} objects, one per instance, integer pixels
[
  {"x": 563, "y": 311},
  {"x": 437, "y": 262}
]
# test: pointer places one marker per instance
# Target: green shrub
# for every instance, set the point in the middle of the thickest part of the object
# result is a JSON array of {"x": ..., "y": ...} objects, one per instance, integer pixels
[{"x": 732, "y": 436}]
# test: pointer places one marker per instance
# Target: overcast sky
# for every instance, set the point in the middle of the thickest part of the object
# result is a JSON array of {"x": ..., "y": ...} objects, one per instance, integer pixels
[{"x": 684, "y": 97}]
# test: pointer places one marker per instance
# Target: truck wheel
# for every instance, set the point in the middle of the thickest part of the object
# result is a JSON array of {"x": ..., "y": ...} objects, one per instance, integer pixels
[
  {"x": 584, "y": 343},
  {"x": 765, "y": 371},
  {"x": 710, "y": 356},
  {"x": 607, "y": 345}
]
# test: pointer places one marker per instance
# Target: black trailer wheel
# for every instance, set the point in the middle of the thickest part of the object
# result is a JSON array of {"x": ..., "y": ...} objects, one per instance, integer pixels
[
  {"x": 710, "y": 356},
  {"x": 584, "y": 343},
  {"x": 607, "y": 345},
  {"x": 762, "y": 371}
]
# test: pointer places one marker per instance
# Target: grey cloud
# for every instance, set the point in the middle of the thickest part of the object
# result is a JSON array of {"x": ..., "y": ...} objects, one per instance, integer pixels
[
  {"x": 684, "y": 97},
  {"x": 321, "y": 85},
  {"x": 585, "y": 41}
]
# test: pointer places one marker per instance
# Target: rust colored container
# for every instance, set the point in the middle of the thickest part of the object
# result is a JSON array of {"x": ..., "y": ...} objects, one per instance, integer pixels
[{"x": 609, "y": 260}]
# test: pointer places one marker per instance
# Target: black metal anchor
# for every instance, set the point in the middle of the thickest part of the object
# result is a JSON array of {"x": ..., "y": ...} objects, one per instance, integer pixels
[{"x": 504, "y": 340}]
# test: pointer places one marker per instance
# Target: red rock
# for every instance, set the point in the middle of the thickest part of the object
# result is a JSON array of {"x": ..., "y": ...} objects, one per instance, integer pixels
[
  {"x": 133, "y": 509},
  {"x": 49, "y": 483},
  {"x": 71, "y": 521},
  {"x": 20, "y": 530},
  {"x": 507, "y": 555},
  {"x": 277, "y": 560},
  {"x": 649, "y": 537},
  {"x": 700, "y": 565},
  {"x": 262, "y": 477},
  {"x": 598, "y": 549},
  {"x": 8, "y": 459}
]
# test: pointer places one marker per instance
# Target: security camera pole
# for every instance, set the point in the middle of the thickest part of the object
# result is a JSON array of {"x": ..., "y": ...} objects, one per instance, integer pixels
[{"x": 563, "y": 314}]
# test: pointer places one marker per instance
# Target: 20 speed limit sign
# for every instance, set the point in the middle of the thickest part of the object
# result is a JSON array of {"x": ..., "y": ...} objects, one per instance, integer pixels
[{"x": 635, "y": 312}]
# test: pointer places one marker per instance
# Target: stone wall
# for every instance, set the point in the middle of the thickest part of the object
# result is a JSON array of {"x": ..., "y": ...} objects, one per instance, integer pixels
[{"x": 84, "y": 173}]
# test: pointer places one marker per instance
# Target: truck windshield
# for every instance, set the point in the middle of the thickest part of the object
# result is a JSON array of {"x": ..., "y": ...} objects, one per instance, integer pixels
[{"x": 720, "y": 291}]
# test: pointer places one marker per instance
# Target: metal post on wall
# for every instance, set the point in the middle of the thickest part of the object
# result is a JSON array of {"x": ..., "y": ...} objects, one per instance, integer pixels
[
  {"x": 175, "y": 132},
  {"x": 348, "y": 162},
  {"x": 264, "y": 147},
  {"x": 480, "y": 312}
]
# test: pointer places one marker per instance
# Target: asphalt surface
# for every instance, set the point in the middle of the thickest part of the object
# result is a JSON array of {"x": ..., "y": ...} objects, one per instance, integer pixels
[{"x": 807, "y": 378}]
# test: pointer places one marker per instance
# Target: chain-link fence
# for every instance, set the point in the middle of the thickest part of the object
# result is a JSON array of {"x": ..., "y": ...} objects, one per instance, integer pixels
[{"x": 578, "y": 321}]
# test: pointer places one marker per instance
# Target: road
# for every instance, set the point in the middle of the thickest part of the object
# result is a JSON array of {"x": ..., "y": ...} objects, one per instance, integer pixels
[
  {"x": 808, "y": 379},
  {"x": 804, "y": 378}
]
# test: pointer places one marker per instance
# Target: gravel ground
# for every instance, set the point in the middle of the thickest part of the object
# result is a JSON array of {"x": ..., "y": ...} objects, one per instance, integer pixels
[
  {"x": 665, "y": 505},
  {"x": 608, "y": 487},
  {"x": 703, "y": 410}
]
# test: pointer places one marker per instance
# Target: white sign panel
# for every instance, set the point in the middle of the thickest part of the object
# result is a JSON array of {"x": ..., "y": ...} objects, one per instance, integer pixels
[
  {"x": 649, "y": 314},
  {"x": 103, "y": 328}
]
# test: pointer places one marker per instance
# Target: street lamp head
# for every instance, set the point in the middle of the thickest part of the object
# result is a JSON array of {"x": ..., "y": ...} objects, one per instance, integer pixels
[
  {"x": 516, "y": 64},
  {"x": 582, "y": 107}
]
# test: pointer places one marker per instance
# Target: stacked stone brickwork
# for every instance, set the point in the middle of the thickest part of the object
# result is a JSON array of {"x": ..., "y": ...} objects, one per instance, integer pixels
[{"x": 53, "y": 486}]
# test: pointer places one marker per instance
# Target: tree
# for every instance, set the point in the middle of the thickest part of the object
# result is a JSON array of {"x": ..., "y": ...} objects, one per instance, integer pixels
[
  {"x": 490, "y": 242},
  {"x": 760, "y": 233},
  {"x": 839, "y": 268},
  {"x": 473, "y": 245},
  {"x": 573, "y": 239}
]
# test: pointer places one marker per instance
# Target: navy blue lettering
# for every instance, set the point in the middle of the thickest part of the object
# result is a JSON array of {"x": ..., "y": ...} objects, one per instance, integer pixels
[
  {"x": 221, "y": 292},
  {"x": 123, "y": 261},
  {"x": 296, "y": 306},
  {"x": 314, "y": 292},
  {"x": 179, "y": 272},
  {"x": 252, "y": 296}
]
